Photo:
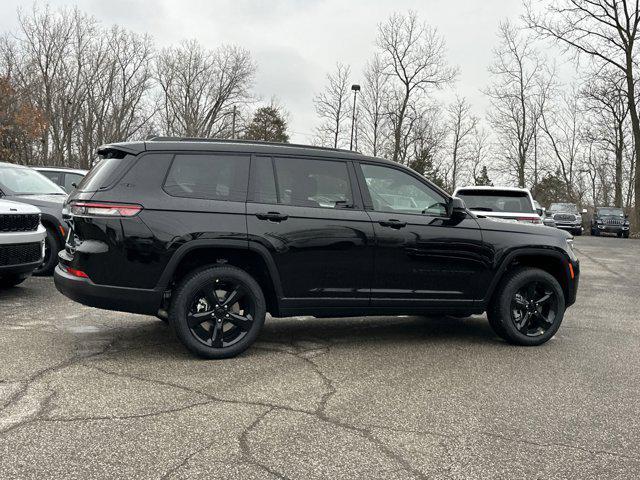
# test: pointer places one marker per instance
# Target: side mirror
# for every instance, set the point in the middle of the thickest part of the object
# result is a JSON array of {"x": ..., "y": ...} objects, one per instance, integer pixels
[
  {"x": 626, "y": 215},
  {"x": 584, "y": 211},
  {"x": 457, "y": 208},
  {"x": 540, "y": 212}
]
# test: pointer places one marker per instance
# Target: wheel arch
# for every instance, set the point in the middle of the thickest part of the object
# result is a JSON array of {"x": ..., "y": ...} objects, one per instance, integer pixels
[
  {"x": 253, "y": 258},
  {"x": 551, "y": 261},
  {"x": 52, "y": 222}
]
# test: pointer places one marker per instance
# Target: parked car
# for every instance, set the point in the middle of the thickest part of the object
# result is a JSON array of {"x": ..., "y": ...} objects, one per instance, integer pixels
[
  {"x": 214, "y": 234},
  {"x": 21, "y": 242},
  {"x": 542, "y": 213},
  {"x": 610, "y": 220},
  {"x": 67, "y": 178},
  {"x": 23, "y": 184},
  {"x": 567, "y": 217},
  {"x": 505, "y": 203}
]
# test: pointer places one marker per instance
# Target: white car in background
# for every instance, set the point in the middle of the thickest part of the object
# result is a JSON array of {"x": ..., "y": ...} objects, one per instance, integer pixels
[
  {"x": 500, "y": 203},
  {"x": 21, "y": 242}
]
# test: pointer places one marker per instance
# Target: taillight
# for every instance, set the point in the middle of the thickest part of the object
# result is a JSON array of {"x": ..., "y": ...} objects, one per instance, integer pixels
[{"x": 105, "y": 209}]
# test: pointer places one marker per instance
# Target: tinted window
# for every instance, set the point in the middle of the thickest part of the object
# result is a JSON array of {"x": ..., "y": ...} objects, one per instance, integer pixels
[
  {"x": 392, "y": 190},
  {"x": 263, "y": 183},
  {"x": 313, "y": 183},
  {"x": 103, "y": 173},
  {"x": 70, "y": 179},
  {"x": 215, "y": 177},
  {"x": 496, "y": 201},
  {"x": 615, "y": 212}
]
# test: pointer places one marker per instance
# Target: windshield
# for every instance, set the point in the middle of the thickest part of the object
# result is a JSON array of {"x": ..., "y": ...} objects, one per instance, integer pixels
[
  {"x": 496, "y": 201},
  {"x": 563, "y": 207},
  {"x": 614, "y": 212},
  {"x": 24, "y": 181}
]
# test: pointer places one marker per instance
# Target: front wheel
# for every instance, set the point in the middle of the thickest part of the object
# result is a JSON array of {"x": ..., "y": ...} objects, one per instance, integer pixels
[
  {"x": 528, "y": 307},
  {"x": 51, "y": 248},
  {"x": 577, "y": 232},
  {"x": 218, "y": 312}
]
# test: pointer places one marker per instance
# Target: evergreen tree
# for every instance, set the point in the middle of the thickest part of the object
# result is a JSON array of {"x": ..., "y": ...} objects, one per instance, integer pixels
[
  {"x": 482, "y": 179},
  {"x": 268, "y": 124}
]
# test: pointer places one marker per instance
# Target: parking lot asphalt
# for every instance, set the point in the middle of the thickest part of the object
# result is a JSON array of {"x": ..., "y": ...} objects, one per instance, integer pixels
[{"x": 86, "y": 393}]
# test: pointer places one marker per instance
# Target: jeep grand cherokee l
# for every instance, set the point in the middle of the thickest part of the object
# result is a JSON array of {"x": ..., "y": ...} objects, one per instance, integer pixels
[{"x": 218, "y": 233}]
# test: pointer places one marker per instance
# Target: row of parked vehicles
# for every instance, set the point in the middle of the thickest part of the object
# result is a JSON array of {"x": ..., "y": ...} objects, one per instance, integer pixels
[
  {"x": 212, "y": 235},
  {"x": 517, "y": 204}
]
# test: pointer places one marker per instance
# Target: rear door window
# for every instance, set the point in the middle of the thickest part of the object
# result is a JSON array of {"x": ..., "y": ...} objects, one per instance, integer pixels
[
  {"x": 313, "y": 183},
  {"x": 208, "y": 176}
]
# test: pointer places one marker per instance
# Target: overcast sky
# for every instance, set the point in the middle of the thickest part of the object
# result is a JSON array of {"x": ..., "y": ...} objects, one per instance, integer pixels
[{"x": 296, "y": 42}]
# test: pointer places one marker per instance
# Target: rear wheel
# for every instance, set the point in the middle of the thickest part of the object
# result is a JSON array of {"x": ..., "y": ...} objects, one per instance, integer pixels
[
  {"x": 528, "y": 307},
  {"x": 12, "y": 280},
  {"x": 51, "y": 248},
  {"x": 218, "y": 312}
]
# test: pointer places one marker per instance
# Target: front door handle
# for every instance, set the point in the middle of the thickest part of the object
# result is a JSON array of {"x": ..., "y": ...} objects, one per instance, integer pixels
[
  {"x": 393, "y": 223},
  {"x": 272, "y": 216}
]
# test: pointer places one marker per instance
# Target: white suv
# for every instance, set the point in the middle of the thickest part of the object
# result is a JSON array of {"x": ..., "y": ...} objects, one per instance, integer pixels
[
  {"x": 505, "y": 203},
  {"x": 21, "y": 242}
]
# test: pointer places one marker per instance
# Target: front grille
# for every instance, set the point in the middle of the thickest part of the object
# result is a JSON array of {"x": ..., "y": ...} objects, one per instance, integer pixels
[
  {"x": 564, "y": 217},
  {"x": 19, "y": 222},
  {"x": 20, "y": 253},
  {"x": 613, "y": 221}
]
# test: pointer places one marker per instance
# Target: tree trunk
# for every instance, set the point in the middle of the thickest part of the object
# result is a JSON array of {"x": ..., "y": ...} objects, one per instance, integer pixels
[{"x": 635, "y": 127}]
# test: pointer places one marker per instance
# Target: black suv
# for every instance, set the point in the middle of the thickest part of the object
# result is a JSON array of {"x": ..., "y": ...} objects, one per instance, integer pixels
[
  {"x": 610, "y": 220},
  {"x": 215, "y": 234}
]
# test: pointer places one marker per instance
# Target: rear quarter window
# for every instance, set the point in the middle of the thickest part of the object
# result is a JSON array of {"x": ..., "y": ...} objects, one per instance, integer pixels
[
  {"x": 104, "y": 173},
  {"x": 208, "y": 176}
]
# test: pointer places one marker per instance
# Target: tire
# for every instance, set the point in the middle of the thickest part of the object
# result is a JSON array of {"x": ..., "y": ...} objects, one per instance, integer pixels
[
  {"x": 12, "y": 280},
  {"x": 619, "y": 234},
  {"x": 577, "y": 232},
  {"x": 596, "y": 233},
  {"x": 509, "y": 295},
  {"x": 625, "y": 235},
  {"x": 52, "y": 246},
  {"x": 198, "y": 301}
]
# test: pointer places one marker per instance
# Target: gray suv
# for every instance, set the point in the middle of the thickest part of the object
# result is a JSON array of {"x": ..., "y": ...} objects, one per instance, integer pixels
[{"x": 567, "y": 217}]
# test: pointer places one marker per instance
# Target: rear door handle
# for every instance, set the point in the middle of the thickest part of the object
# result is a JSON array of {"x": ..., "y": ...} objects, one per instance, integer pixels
[
  {"x": 393, "y": 223},
  {"x": 272, "y": 216}
]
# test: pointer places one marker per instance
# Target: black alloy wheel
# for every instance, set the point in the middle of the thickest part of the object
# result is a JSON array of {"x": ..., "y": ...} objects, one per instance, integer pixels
[
  {"x": 527, "y": 307},
  {"x": 534, "y": 309},
  {"x": 221, "y": 313},
  {"x": 218, "y": 312}
]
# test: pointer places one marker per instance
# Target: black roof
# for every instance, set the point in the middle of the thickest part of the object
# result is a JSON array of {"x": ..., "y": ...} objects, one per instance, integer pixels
[{"x": 252, "y": 146}]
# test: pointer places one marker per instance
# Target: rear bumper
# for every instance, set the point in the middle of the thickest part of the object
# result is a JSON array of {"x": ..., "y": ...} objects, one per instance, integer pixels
[{"x": 123, "y": 299}]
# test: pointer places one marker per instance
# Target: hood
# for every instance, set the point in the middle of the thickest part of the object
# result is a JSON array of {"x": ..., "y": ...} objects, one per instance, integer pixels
[
  {"x": 7, "y": 206},
  {"x": 51, "y": 201},
  {"x": 524, "y": 228}
]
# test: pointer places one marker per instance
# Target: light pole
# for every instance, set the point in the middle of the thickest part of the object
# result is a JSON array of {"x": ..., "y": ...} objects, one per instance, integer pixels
[{"x": 356, "y": 89}]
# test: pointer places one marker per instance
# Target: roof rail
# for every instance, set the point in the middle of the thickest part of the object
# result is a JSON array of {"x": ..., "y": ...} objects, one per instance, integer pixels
[{"x": 250, "y": 142}]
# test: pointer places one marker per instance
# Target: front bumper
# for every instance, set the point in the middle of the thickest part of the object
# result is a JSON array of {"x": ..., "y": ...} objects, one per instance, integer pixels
[
  {"x": 612, "y": 228},
  {"x": 569, "y": 226},
  {"x": 16, "y": 240},
  {"x": 572, "y": 286}
]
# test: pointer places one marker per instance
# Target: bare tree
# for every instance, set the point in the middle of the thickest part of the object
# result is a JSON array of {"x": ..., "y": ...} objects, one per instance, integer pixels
[
  {"x": 520, "y": 86},
  {"x": 606, "y": 102},
  {"x": 479, "y": 151},
  {"x": 461, "y": 124},
  {"x": 373, "y": 103},
  {"x": 413, "y": 56},
  {"x": 332, "y": 106},
  {"x": 562, "y": 125},
  {"x": 200, "y": 88},
  {"x": 604, "y": 30}
]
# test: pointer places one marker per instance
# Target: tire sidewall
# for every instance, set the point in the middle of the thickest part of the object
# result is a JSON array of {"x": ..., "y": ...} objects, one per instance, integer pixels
[
  {"x": 184, "y": 295},
  {"x": 510, "y": 287},
  {"x": 54, "y": 247}
]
